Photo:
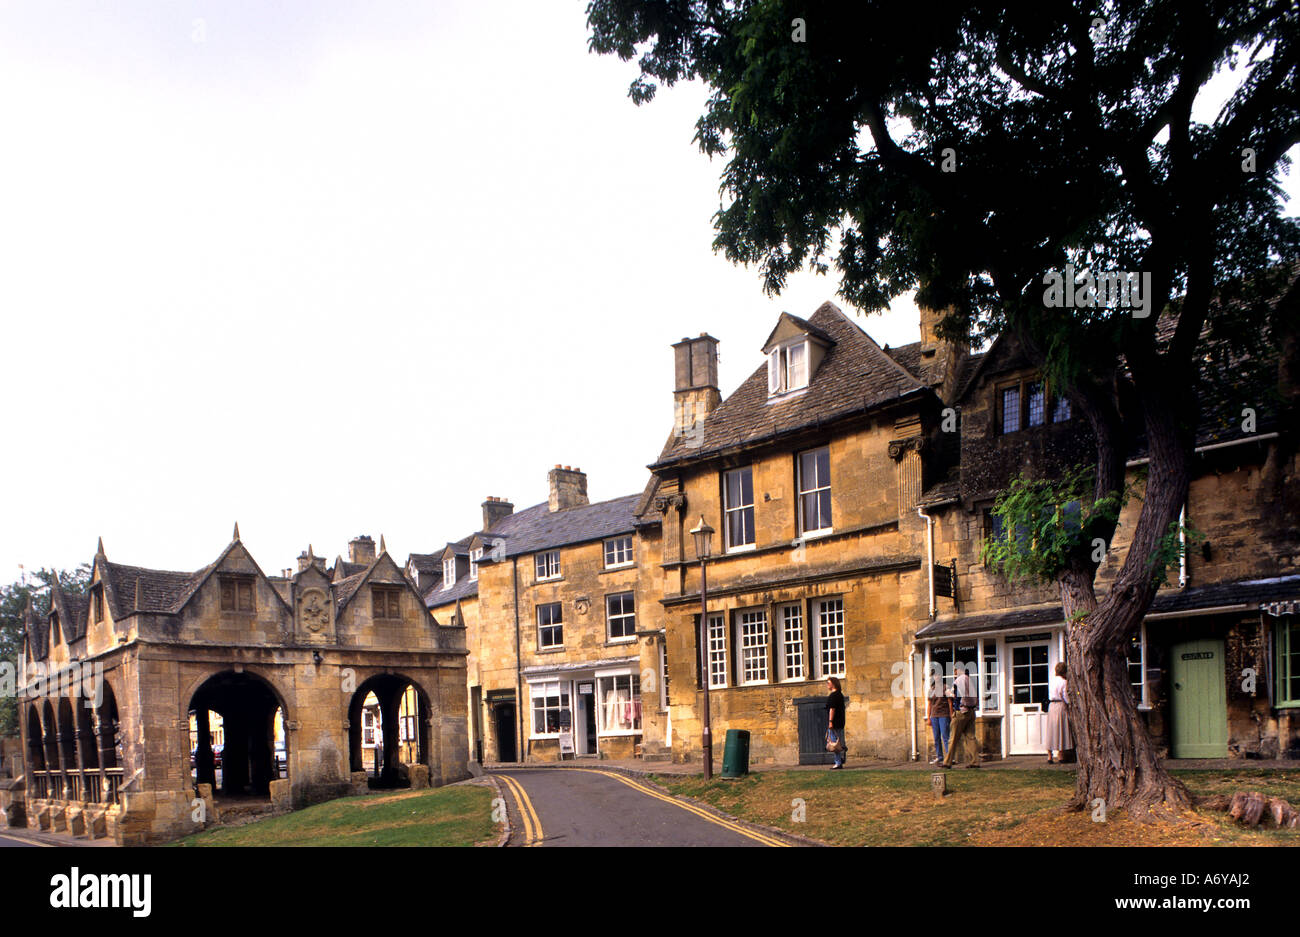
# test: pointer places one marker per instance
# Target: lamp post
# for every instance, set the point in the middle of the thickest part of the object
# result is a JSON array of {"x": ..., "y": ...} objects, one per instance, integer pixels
[{"x": 703, "y": 535}]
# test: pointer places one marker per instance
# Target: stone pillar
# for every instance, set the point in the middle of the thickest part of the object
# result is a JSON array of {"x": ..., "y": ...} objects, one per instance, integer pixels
[
  {"x": 234, "y": 758},
  {"x": 204, "y": 761},
  {"x": 389, "y": 707}
]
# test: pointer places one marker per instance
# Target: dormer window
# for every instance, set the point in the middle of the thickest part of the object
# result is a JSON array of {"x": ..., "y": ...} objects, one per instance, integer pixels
[
  {"x": 1025, "y": 404},
  {"x": 787, "y": 368},
  {"x": 474, "y": 556},
  {"x": 449, "y": 573}
]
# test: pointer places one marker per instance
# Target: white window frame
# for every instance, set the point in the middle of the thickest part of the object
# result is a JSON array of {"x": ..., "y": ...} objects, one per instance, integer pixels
[
  {"x": 715, "y": 634},
  {"x": 541, "y": 690},
  {"x": 546, "y": 565},
  {"x": 614, "y": 548},
  {"x": 558, "y": 623},
  {"x": 474, "y": 556},
  {"x": 663, "y": 676},
  {"x": 609, "y": 618},
  {"x": 727, "y": 511},
  {"x": 784, "y": 373},
  {"x": 792, "y": 650},
  {"x": 990, "y": 678},
  {"x": 449, "y": 573},
  {"x": 1145, "y": 702},
  {"x": 634, "y": 692},
  {"x": 752, "y": 640},
  {"x": 804, "y": 529},
  {"x": 824, "y": 609}
]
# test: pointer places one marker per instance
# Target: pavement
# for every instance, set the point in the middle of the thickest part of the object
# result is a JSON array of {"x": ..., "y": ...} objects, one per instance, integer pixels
[{"x": 635, "y": 767}]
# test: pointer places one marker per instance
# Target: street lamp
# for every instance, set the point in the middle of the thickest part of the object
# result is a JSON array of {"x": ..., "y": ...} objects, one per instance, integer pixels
[{"x": 703, "y": 535}]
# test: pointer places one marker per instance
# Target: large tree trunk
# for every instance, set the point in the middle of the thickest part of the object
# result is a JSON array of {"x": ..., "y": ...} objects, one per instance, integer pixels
[{"x": 1118, "y": 763}]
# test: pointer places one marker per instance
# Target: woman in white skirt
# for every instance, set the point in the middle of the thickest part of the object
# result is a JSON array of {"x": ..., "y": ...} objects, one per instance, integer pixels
[{"x": 1057, "y": 733}]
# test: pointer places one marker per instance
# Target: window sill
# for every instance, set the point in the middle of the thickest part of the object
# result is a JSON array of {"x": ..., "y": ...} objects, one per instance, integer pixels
[
  {"x": 618, "y": 566},
  {"x": 620, "y": 641},
  {"x": 820, "y": 532},
  {"x": 538, "y": 582},
  {"x": 743, "y": 548},
  {"x": 551, "y": 650}
]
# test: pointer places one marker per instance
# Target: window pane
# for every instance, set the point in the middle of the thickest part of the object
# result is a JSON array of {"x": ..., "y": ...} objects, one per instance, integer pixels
[
  {"x": 1011, "y": 410},
  {"x": 792, "y": 641},
  {"x": 831, "y": 637},
  {"x": 1037, "y": 403},
  {"x": 1061, "y": 412}
]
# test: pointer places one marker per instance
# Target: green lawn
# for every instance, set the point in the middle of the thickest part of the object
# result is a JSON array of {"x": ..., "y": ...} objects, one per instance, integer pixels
[
  {"x": 449, "y": 816},
  {"x": 897, "y": 808}
]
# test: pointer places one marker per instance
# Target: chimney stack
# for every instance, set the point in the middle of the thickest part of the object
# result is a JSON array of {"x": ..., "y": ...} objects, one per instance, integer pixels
[
  {"x": 361, "y": 550},
  {"x": 695, "y": 381},
  {"x": 941, "y": 358},
  {"x": 494, "y": 509},
  {"x": 568, "y": 487}
]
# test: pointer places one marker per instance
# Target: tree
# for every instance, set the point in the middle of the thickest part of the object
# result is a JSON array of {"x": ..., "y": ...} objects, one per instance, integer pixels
[
  {"x": 974, "y": 153},
  {"x": 13, "y": 605}
]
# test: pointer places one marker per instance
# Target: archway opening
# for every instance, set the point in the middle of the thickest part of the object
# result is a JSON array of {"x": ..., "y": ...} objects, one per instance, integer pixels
[
  {"x": 237, "y": 727},
  {"x": 388, "y": 730}
]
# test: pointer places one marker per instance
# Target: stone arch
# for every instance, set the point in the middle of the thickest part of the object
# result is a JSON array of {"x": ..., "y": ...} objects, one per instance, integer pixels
[
  {"x": 395, "y": 699},
  {"x": 247, "y": 703},
  {"x": 49, "y": 736},
  {"x": 107, "y": 728}
]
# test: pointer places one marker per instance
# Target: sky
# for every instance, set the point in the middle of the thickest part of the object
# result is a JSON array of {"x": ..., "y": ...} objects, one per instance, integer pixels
[{"x": 329, "y": 269}]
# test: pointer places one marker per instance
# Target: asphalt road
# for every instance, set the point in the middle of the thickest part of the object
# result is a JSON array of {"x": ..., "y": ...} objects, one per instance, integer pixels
[{"x": 589, "y": 807}]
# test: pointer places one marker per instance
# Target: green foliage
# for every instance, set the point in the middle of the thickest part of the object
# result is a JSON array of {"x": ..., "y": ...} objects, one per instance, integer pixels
[
  {"x": 13, "y": 603},
  {"x": 1042, "y": 523}
]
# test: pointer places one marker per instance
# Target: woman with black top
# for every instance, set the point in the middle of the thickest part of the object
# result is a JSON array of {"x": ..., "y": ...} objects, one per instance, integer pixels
[{"x": 835, "y": 713}]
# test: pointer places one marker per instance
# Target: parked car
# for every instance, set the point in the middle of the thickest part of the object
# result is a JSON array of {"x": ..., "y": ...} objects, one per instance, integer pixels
[{"x": 216, "y": 756}]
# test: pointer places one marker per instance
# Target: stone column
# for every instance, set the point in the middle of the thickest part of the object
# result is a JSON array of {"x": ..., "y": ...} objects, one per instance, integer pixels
[{"x": 389, "y": 707}]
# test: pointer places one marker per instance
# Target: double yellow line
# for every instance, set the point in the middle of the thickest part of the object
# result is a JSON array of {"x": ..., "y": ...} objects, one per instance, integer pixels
[
  {"x": 532, "y": 823},
  {"x": 691, "y": 808}
]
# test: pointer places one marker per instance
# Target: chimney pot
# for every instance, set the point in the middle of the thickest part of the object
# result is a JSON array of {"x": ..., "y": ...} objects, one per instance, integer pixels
[{"x": 568, "y": 488}]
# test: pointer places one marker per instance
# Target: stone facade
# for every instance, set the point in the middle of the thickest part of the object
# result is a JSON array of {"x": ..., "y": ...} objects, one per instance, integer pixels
[{"x": 228, "y": 639}]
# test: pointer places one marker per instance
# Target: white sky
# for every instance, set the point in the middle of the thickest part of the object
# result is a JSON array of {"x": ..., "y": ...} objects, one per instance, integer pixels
[{"x": 340, "y": 268}]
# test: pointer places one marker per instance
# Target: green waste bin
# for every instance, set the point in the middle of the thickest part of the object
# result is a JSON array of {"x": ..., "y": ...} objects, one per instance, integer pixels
[{"x": 735, "y": 756}]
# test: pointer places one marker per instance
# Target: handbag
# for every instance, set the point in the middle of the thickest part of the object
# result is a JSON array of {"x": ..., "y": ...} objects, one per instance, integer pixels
[{"x": 834, "y": 745}]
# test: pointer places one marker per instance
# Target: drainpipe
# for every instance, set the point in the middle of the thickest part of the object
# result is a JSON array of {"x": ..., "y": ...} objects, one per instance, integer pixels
[
  {"x": 1182, "y": 547},
  {"x": 929, "y": 553},
  {"x": 519, "y": 674},
  {"x": 911, "y": 692}
]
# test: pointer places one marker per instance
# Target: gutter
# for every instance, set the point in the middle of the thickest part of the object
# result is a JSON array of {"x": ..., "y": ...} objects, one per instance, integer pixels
[{"x": 1212, "y": 446}]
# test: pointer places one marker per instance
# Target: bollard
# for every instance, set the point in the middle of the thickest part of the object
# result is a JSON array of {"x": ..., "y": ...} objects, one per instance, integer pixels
[{"x": 939, "y": 784}]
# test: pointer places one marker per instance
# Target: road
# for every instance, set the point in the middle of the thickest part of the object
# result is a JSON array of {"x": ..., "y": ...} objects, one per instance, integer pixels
[{"x": 590, "y": 807}]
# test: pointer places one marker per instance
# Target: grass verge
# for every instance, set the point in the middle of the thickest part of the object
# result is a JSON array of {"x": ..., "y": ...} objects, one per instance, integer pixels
[
  {"x": 983, "y": 808},
  {"x": 446, "y": 816}
]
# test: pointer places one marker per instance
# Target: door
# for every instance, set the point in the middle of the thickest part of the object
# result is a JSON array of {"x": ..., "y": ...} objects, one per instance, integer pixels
[
  {"x": 814, "y": 720},
  {"x": 1031, "y": 673},
  {"x": 585, "y": 724},
  {"x": 505, "y": 726},
  {"x": 1199, "y": 708}
]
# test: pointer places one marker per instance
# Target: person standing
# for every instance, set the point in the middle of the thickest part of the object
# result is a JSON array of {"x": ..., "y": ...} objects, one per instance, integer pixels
[
  {"x": 1057, "y": 732},
  {"x": 939, "y": 716},
  {"x": 963, "y": 720},
  {"x": 835, "y": 721}
]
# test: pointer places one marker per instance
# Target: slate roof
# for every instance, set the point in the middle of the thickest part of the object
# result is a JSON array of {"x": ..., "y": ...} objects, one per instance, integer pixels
[
  {"x": 540, "y": 528},
  {"x": 855, "y": 376},
  {"x": 1251, "y": 592},
  {"x": 343, "y": 569},
  {"x": 161, "y": 591}
]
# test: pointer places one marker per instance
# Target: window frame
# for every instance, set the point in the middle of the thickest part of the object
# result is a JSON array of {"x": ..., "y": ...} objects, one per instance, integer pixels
[
  {"x": 236, "y": 605},
  {"x": 715, "y": 637},
  {"x": 610, "y": 637},
  {"x": 390, "y": 598},
  {"x": 802, "y": 492},
  {"x": 542, "y": 563},
  {"x": 449, "y": 573},
  {"x": 616, "y": 542},
  {"x": 779, "y": 381},
  {"x": 792, "y": 636},
  {"x": 556, "y": 623},
  {"x": 474, "y": 556},
  {"x": 739, "y": 508},
  {"x": 603, "y": 727},
  {"x": 820, "y": 609},
  {"x": 1022, "y": 385},
  {"x": 1286, "y": 644},
  {"x": 748, "y": 652},
  {"x": 563, "y": 696}
]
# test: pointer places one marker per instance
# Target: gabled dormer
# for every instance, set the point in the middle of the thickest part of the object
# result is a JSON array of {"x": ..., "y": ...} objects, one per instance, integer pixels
[{"x": 794, "y": 350}]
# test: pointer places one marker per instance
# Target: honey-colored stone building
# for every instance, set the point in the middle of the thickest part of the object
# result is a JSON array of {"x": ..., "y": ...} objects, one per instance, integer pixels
[
  {"x": 110, "y": 754},
  {"x": 564, "y": 648}
]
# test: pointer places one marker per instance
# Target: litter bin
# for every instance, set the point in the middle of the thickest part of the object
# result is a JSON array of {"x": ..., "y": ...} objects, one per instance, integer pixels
[{"x": 735, "y": 756}]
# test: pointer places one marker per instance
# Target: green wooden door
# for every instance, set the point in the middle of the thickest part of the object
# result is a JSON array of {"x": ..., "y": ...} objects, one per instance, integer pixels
[{"x": 1200, "y": 701}]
